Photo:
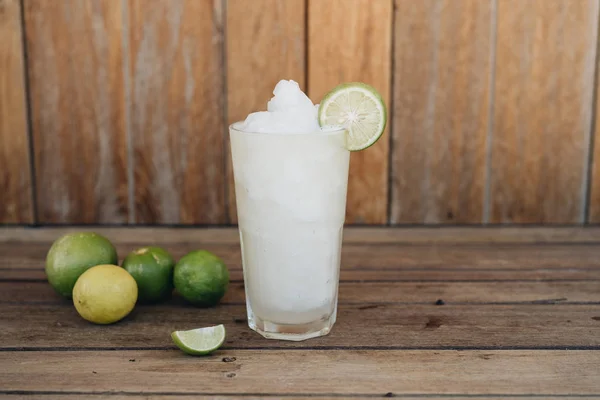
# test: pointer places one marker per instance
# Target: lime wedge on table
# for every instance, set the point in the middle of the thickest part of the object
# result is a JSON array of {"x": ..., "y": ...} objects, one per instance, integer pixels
[
  {"x": 359, "y": 108},
  {"x": 200, "y": 341}
]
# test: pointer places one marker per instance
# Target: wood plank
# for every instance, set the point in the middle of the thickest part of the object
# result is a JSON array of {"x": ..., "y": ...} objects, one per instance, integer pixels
[
  {"x": 594, "y": 202},
  {"x": 486, "y": 293},
  {"x": 386, "y": 256},
  {"x": 347, "y": 372},
  {"x": 24, "y": 274},
  {"x": 372, "y": 326},
  {"x": 542, "y": 115},
  {"x": 362, "y": 53},
  {"x": 77, "y": 105},
  {"x": 459, "y": 257},
  {"x": 441, "y": 110},
  {"x": 352, "y": 235},
  {"x": 177, "y": 117},
  {"x": 129, "y": 396},
  {"x": 134, "y": 396},
  {"x": 15, "y": 164},
  {"x": 379, "y": 257},
  {"x": 265, "y": 43}
]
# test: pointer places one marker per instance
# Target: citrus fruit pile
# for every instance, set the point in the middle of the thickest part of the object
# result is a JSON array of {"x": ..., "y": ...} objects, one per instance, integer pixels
[{"x": 84, "y": 266}]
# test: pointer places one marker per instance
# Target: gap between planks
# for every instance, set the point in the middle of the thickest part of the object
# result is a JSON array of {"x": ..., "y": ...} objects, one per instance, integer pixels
[{"x": 57, "y": 395}]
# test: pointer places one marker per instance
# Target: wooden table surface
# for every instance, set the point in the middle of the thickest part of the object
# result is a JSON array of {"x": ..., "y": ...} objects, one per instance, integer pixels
[{"x": 423, "y": 312}]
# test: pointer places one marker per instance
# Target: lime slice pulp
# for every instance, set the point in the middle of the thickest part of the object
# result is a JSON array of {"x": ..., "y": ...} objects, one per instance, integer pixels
[
  {"x": 357, "y": 107},
  {"x": 200, "y": 341}
]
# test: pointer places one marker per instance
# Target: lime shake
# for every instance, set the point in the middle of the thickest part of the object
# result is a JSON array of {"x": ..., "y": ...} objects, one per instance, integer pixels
[{"x": 291, "y": 178}]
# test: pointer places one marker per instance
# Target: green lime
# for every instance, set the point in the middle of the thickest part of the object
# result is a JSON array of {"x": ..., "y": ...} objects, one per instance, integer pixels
[
  {"x": 201, "y": 278},
  {"x": 357, "y": 107},
  {"x": 74, "y": 253},
  {"x": 201, "y": 341},
  {"x": 105, "y": 294},
  {"x": 152, "y": 269}
]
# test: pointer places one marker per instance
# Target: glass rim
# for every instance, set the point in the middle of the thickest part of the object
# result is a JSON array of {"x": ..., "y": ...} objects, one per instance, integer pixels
[{"x": 327, "y": 132}]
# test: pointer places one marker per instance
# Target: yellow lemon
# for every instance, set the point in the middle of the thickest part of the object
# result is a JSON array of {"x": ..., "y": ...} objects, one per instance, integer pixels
[{"x": 105, "y": 294}]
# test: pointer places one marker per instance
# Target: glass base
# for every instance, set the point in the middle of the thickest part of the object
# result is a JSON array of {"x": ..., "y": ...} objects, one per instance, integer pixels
[{"x": 299, "y": 332}]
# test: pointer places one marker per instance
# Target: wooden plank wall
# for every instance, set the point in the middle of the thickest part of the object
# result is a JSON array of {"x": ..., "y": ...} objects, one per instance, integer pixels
[
  {"x": 441, "y": 110},
  {"x": 77, "y": 110},
  {"x": 116, "y": 111},
  {"x": 16, "y": 201},
  {"x": 176, "y": 105},
  {"x": 546, "y": 50}
]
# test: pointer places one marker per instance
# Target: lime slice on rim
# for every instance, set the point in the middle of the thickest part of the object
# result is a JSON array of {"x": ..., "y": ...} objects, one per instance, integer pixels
[
  {"x": 357, "y": 107},
  {"x": 201, "y": 341}
]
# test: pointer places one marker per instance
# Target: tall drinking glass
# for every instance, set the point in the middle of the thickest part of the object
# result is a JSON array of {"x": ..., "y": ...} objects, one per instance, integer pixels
[{"x": 291, "y": 202}]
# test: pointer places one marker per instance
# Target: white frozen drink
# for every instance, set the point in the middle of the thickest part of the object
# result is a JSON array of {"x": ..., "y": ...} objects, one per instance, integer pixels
[{"x": 291, "y": 179}]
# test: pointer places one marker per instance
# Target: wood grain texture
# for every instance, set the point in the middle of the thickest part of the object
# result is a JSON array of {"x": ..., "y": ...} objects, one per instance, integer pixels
[
  {"x": 398, "y": 326},
  {"x": 16, "y": 204},
  {"x": 20, "y": 273},
  {"x": 132, "y": 396},
  {"x": 527, "y": 330},
  {"x": 76, "y": 82},
  {"x": 594, "y": 194},
  {"x": 265, "y": 43},
  {"x": 350, "y": 40},
  {"x": 397, "y": 258},
  {"x": 441, "y": 110},
  {"x": 177, "y": 118},
  {"x": 521, "y": 235},
  {"x": 542, "y": 113},
  {"x": 381, "y": 293},
  {"x": 362, "y": 372}
]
